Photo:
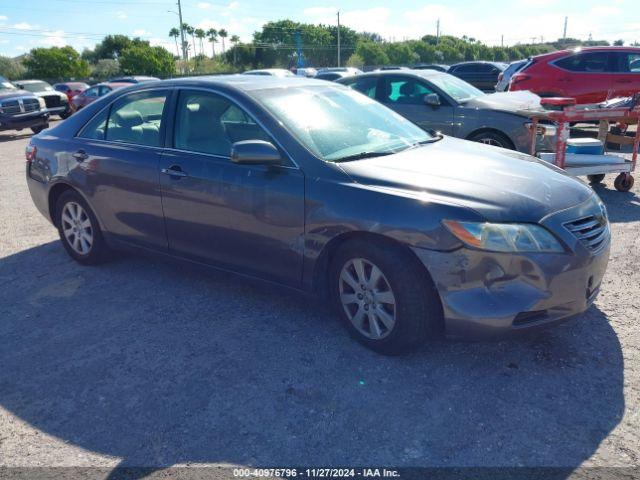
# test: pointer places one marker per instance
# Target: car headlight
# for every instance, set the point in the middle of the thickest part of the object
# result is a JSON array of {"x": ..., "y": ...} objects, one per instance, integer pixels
[
  {"x": 41, "y": 102},
  {"x": 64, "y": 98},
  {"x": 505, "y": 237}
]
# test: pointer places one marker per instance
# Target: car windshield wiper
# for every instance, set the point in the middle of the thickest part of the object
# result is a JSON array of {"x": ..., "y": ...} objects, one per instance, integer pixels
[
  {"x": 437, "y": 136},
  {"x": 362, "y": 155}
]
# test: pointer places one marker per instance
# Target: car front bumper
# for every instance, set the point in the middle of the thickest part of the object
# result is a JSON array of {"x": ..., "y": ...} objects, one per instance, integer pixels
[
  {"x": 24, "y": 120},
  {"x": 489, "y": 294}
]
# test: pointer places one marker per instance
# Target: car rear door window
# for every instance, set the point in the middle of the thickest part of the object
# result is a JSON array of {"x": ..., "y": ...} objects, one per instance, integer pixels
[
  {"x": 210, "y": 123},
  {"x": 407, "y": 91},
  {"x": 97, "y": 126},
  {"x": 596, "y": 62},
  {"x": 137, "y": 118},
  {"x": 366, "y": 85},
  {"x": 92, "y": 92}
]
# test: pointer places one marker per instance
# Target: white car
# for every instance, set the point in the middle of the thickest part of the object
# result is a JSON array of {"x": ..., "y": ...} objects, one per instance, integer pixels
[
  {"x": 57, "y": 103},
  {"x": 272, "y": 72}
]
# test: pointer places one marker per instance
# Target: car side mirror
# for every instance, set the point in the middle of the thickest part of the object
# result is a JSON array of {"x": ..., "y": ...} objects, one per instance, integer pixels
[
  {"x": 255, "y": 152},
  {"x": 432, "y": 99}
]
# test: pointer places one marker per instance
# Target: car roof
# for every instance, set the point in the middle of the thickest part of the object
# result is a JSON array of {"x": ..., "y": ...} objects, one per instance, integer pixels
[
  {"x": 426, "y": 73},
  {"x": 477, "y": 62},
  {"x": 26, "y": 82},
  {"x": 568, "y": 51},
  {"x": 244, "y": 83}
]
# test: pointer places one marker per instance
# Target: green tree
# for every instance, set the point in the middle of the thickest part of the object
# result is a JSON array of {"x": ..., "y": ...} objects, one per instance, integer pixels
[
  {"x": 372, "y": 53},
  {"x": 235, "y": 39},
  {"x": 146, "y": 60},
  {"x": 212, "y": 33},
  {"x": 106, "y": 68},
  {"x": 355, "y": 60},
  {"x": 222, "y": 33},
  {"x": 112, "y": 46},
  {"x": 200, "y": 35},
  {"x": 191, "y": 31},
  {"x": 11, "y": 69},
  {"x": 400, "y": 53},
  {"x": 175, "y": 33},
  {"x": 56, "y": 63}
]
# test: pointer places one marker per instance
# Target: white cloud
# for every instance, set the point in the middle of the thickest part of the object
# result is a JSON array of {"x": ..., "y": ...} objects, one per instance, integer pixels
[
  {"x": 3, "y": 18},
  {"x": 23, "y": 26},
  {"x": 141, "y": 32},
  {"x": 122, "y": 15},
  {"x": 204, "y": 5},
  {"x": 55, "y": 39}
]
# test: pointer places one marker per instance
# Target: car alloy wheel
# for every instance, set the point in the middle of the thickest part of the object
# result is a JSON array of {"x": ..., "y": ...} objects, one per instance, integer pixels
[
  {"x": 77, "y": 228},
  {"x": 367, "y": 298},
  {"x": 490, "y": 141}
]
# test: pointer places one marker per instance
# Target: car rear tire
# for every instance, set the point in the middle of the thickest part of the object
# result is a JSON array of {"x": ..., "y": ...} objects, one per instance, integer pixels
[
  {"x": 79, "y": 230},
  {"x": 495, "y": 139},
  {"x": 384, "y": 297},
  {"x": 593, "y": 179},
  {"x": 66, "y": 114},
  {"x": 39, "y": 128}
]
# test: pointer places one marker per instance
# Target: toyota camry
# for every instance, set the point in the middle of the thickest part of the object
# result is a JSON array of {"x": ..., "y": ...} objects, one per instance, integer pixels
[{"x": 315, "y": 186}]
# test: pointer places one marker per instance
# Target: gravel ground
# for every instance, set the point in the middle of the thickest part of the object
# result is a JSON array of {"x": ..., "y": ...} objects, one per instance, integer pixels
[{"x": 144, "y": 362}]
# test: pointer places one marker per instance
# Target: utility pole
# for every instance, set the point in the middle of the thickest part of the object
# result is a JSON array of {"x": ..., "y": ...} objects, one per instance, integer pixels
[
  {"x": 564, "y": 35},
  {"x": 502, "y": 41},
  {"x": 184, "y": 50},
  {"x": 338, "y": 38},
  {"x": 438, "y": 31}
]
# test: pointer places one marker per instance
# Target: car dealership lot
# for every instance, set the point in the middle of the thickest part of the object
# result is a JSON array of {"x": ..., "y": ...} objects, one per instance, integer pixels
[{"x": 148, "y": 362}]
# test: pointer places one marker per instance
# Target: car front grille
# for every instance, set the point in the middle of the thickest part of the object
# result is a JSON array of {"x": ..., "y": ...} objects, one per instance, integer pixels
[
  {"x": 592, "y": 231},
  {"x": 52, "y": 101},
  {"x": 12, "y": 107},
  {"x": 31, "y": 104}
]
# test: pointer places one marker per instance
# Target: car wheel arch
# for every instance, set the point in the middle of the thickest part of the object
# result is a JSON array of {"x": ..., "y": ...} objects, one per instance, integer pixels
[
  {"x": 482, "y": 130},
  {"x": 56, "y": 191},
  {"x": 320, "y": 276}
]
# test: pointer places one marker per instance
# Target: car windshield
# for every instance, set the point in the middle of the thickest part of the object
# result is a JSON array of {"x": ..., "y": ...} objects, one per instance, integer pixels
[
  {"x": 6, "y": 84},
  {"x": 456, "y": 88},
  {"x": 37, "y": 87},
  {"x": 339, "y": 124}
]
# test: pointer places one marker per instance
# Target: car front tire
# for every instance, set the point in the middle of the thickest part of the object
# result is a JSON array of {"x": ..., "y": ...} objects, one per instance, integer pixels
[
  {"x": 79, "y": 230},
  {"x": 495, "y": 139},
  {"x": 384, "y": 296}
]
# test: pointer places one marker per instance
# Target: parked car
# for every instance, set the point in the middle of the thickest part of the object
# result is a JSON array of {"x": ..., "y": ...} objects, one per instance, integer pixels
[
  {"x": 70, "y": 89},
  {"x": 270, "y": 72},
  {"x": 349, "y": 70},
  {"x": 590, "y": 75},
  {"x": 439, "y": 101},
  {"x": 133, "y": 79},
  {"x": 93, "y": 93},
  {"x": 21, "y": 109},
  {"x": 56, "y": 102},
  {"x": 410, "y": 234},
  {"x": 332, "y": 76},
  {"x": 308, "y": 72},
  {"x": 390, "y": 67},
  {"x": 437, "y": 67},
  {"x": 482, "y": 75},
  {"x": 505, "y": 76}
]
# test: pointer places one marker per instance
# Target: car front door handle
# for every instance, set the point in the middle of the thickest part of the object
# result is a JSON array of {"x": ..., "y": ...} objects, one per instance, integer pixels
[
  {"x": 80, "y": 155},
  {"x": 174, "y": 171}
]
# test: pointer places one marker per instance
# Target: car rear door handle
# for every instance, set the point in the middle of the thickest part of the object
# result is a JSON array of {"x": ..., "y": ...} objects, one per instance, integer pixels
[
  {"x": 174, "y": 171},
  {"x": 80, "y": 155}
]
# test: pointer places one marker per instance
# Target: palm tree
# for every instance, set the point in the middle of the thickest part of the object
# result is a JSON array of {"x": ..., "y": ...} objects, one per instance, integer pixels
[
  {"x": 175, "y": 33},
  {"x": 223, "y": 34},
  {"x": 235, "y": 39},
  {"x": 185, "y": 28},
  {"x": 212, "y": 33},
  {"x": 190, "y": 31},
  {"x": 200, "y": 33}
]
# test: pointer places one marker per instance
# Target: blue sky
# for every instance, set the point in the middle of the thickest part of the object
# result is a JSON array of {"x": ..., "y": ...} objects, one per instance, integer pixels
[{"x": 25, "y": 24}]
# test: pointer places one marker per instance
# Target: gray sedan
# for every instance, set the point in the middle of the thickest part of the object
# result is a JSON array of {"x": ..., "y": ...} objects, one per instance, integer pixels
[
  {"x": 438, "y": 101},
  {"x": 312, "y": 185}
]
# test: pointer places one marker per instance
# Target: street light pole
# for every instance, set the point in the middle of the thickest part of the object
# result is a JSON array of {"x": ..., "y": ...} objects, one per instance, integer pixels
[
  {"x": 184, "y": 50},
  {"x": 338, "y": 38}
]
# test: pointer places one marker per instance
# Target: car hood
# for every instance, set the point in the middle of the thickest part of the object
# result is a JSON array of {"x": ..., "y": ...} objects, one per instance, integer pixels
[
  {"x": 49, "y": 93},
  {"x": 501, "y": 185},
  {"x": 510, "y": 102},
  {"x": 7, "y": 94}
]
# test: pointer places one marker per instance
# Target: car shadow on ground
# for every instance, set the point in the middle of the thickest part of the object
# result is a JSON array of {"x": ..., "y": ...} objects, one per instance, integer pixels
[
  {"x": 158, "y": 364},
  {"x": 622, "y": 207},
  {"x": 11, "y": 136}
]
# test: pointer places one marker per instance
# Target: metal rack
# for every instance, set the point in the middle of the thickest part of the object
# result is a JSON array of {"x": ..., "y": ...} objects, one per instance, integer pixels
[{"x": 564, "y": 112}]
